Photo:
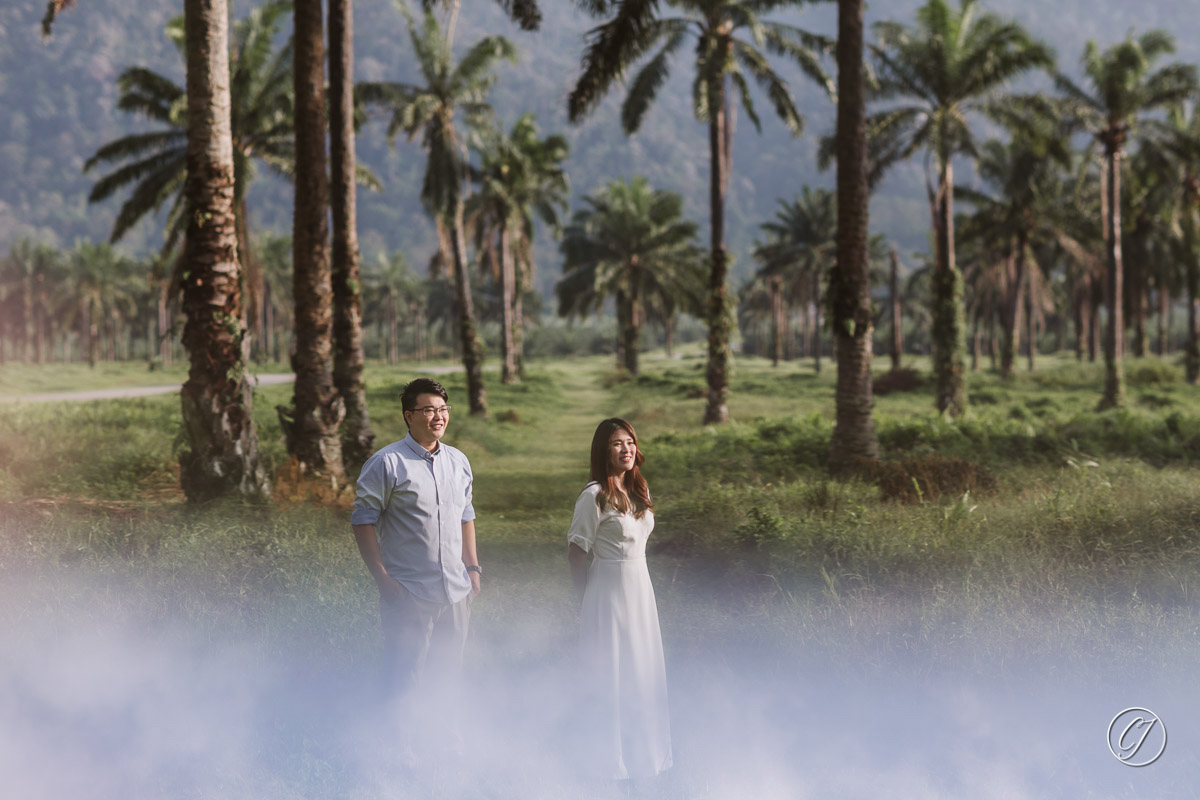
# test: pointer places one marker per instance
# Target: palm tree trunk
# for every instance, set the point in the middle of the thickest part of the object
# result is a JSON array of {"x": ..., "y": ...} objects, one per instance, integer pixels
[
  {"x": 472, "y": 354},
  {"x": 631, "y": 333},
  {"x": 519, "y": 325},
  {"x": 992, "y": 314},
  {"x": 816, "y": 331},
  {"x": 621, "y": 304},
  {"x": 1095, "y": 300},
  {"x": 357, "y": 437},
  {"x": 717, "y": 374},
  {"x": 976, "y": 344},
  {"x": 1191, "y": 352},
  {"x": 948, "y": 344},
  {"x": 775, "y": 289},
  {"x": 1164, "y": 304},
  {"x": 27, "y": 333},
  {"x": 221, "y": 458},
  {"x": 1013, "y": 295},
  {"x": 251, "y": 277},
  {"x": 1140, "y": 340},
  {"x": 390, "y": 325},
  {"x": 1114, "y": 335},
  {"x": 897, "y": 312},
  {"x": 1081, "y": 319},
  {"x": 89, "y": 333},
  {"x": 854, "y": 431},
  {"x": 807, "y": 336},
  {"x": 508, "y": 325},
  {"x": 311, "y": 426},
  {"x": 669, "y": 334},
  {"x": 1031, "y": 319}
]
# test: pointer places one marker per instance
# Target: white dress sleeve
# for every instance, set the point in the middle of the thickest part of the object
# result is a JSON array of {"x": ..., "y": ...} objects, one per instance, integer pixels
[{"x": 586, "y": 519}]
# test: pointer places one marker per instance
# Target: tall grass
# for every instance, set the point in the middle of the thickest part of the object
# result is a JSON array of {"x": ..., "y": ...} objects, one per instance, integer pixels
[{"x": 1090, "y": 515}]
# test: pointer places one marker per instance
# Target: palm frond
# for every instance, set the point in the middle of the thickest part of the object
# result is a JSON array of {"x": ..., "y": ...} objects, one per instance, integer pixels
[
  {"x": 131, "y": 173},
  {"x": 610, "y": 49},
  {"x": 774, "y": 86},
  {"x": 135, "y": 145},
  {"x": 649, "y": 80}
]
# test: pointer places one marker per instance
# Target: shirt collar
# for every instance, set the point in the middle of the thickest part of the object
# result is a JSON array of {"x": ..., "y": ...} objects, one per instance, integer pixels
[{"x": 417, "y": 450}]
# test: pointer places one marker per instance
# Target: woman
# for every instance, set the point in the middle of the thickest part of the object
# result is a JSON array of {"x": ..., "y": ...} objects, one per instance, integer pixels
[{"x": 620, "y": 640}]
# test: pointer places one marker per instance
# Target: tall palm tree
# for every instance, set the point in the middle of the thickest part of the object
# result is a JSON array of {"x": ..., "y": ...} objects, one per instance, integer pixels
[
  {"x": 1025, "y": 176},
  {"x": 394, "y": 292},
  {"x": 153, "y": 165},
  {"x": 850, "y": 281},
  {"x": 1177, "y": 142},
  {"x": 221, "y": 457},
  {"x": 312, "y": 425},
  {"x": 274, "y": 254},
  {"x": 949, "y": 67},
  {"x": 1152, "y": 203},
  {"x": 724, "y": 57},
  {"x": 430, "y": 109},
  {"x": 357, "y": 436},
  {"x": 800, "y": 249},
  {"x": 26, "y": 275},
  {"x": 630, "y": 243},
  {"x": 520, "y": 176},
  {"x": 1123, "y": 89}
]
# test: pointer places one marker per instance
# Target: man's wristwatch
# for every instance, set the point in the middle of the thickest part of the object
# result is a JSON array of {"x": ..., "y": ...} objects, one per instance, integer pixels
[{"x": 475, "y": 568}]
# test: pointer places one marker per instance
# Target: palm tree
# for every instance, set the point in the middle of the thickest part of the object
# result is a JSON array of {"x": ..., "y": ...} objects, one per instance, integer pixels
[
  {"x": 850, "y": 280},
  {"x": 153, "y": 165},
  {"x": 801, "y": 246},
  {"x": 312, "y": 424},
  {"x": 1123, "y": 90},
  {"x": 1177, "y": 142},
  {"x": 520, "y": 176},
  {"x": 357, "y": 436},
  {"x": 947, "y": 68},
  {"x": 431, "y": 110},
  {"x": 723, "y": 57},
  {"x": 1022, "y": 211},
  {"x": 394, "y": 292},
  {"x": 630, "y": 243},
  {"x": 94, "y": 295},
  {"x": 1152, "y": 203},
  {"x": 221, "y": 457},
  {"x": 26, "y": 278},
  {"x": 274, "y": 255}
]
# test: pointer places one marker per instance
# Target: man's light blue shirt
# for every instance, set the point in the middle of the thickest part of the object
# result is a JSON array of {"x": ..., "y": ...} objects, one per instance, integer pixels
[{"x": 418, "y": 502}]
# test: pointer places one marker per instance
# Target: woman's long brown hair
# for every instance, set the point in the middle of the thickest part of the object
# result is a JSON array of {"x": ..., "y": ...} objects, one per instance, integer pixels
[{"x": 636, "y": 489}]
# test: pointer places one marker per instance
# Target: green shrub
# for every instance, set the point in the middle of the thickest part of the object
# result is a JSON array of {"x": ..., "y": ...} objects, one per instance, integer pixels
[
  {"x": 928, "y": 478},
  {"x": 897, "y": 380},
  {"x": 1151, "y": 373}
]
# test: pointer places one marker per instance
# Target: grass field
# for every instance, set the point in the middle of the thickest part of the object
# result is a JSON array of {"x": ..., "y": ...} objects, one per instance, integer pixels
[{"x": 1034, "y": 555}]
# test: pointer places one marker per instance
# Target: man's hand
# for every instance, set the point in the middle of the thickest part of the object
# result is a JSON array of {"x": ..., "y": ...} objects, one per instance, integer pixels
[
  {"x": 390, "y": 589},
  {"x": 476, "y": 583}
]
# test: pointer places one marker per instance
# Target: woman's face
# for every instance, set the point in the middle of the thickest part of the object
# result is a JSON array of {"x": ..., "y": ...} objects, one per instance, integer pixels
[{"x": 622, "y": 451}]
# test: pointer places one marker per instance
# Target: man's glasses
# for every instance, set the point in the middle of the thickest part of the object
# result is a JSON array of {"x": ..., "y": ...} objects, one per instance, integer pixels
[{"x": 431, "y": 411}]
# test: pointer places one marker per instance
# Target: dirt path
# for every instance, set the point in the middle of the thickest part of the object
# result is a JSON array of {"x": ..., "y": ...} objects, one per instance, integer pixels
[
  {"x": 267, "y": 379},
  {"x": 133, "y": 391}
]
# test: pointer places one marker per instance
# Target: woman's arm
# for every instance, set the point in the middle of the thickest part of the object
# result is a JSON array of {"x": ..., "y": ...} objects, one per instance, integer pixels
[{"x": 578, "y": 559}]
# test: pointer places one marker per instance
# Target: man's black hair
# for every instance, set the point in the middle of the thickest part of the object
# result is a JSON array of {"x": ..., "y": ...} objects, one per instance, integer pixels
[{"x": 408, "y": 398}]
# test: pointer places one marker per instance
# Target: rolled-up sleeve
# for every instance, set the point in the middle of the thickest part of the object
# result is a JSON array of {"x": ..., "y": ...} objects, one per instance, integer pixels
[
  {"x": 373, "y": 492},
  {"x": 468, "y": 479},
  {"x": 585, "y": 521}
]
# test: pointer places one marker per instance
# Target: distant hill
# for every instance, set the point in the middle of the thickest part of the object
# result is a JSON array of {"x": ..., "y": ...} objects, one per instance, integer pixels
[{"x": 58, "y": 108}]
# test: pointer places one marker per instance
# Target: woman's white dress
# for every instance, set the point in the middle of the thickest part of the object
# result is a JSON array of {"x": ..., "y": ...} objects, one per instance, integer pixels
[{"x": 621, "y": 644}]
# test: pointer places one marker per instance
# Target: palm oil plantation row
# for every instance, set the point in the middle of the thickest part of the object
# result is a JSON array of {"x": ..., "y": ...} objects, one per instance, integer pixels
[{"x": 1082, "y": 217}]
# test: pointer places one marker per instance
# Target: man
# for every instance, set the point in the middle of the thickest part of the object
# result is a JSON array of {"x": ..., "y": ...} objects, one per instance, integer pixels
[{"x": 414, "y": 524}]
